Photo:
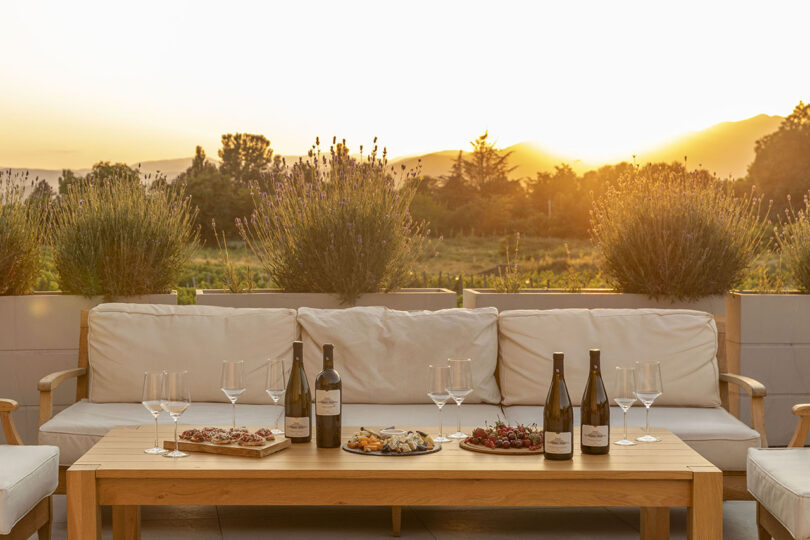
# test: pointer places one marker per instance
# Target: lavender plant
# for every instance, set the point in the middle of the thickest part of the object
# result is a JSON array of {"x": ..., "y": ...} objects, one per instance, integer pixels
[
  {"x": 676, "y": 235},
  {"x": 336, "y": 224},
  {"x": 113, "y": 237},
  {"x": 793, "y": 237},
  {"x": 22, "y": 234}
]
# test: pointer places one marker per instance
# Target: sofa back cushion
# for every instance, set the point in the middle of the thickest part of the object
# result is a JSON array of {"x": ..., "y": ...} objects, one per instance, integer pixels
[
  {"x": 383, "y": 355},
  {"x": 684, "y": 341},
  {"x": 124, "y": 340}
]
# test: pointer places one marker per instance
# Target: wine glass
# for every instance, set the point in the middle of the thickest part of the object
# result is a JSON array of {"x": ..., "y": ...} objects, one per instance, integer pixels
[
  {"x": 152, "y": 389},
  {"x": 277, "y": 375},
  {"x": 624, "y": 394},
  {"x": 459, "y": 388},
  {"x": 176, "y": 398},
  {"x": 439, "y": 380},
  {"x": 648, "y": 388},
  {"x": 233, "y": 382}
]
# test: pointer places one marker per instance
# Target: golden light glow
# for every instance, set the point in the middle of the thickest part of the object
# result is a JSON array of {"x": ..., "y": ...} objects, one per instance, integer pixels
[{"x": 591, "y": 80}]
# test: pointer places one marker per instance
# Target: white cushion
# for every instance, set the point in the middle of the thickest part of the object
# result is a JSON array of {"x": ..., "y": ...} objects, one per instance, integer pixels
[
  {"x": 684, "y": 341},
  {"x": 779, "y": 478},
  {"x": 76, "y": 429},
  {"x": 711, "y": 431},
  {"x": 127, "y": 339},
  {"x": 383, "y": 354},
  {"x": 28, "y": 474}
]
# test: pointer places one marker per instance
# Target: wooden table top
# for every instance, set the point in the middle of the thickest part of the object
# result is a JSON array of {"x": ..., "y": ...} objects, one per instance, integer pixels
[{"x": 120, "y": 454}]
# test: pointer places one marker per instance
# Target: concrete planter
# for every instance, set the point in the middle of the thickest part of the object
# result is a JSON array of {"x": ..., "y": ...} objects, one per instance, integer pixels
[
  {"x": 39, "y": 334},
  {"x": 768, "y": 339},
  {"x": 588, "y": 299},
  {"x": 403, "y": 299}
]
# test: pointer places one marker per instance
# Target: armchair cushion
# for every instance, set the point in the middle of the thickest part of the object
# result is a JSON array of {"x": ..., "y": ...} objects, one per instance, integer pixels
[
  {"x": 124, "y": 340},
  {"x": 684, "y": 341},
  {"x": 779, "y": 478},
  {"x": 384, "y": 354},
  {"x": 28, "y": 474}
]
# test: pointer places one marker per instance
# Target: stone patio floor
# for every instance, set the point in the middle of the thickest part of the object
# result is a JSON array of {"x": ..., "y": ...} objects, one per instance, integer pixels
[{"x": 250, "y": 522}]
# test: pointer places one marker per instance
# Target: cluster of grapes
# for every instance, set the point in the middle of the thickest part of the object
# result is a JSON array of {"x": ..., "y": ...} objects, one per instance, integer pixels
[{"x": 502, "y": 436}]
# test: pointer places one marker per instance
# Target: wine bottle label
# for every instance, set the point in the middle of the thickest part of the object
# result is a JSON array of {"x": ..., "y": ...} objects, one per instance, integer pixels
[
  {"x": 557, "y": 443},
  {"x": 296, "y": 427},
  {"x": 594, "y": 435},
  {"x": 327, "y": 402}
]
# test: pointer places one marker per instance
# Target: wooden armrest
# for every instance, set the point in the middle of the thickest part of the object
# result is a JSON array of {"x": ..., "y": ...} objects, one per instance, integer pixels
[
  {"x": 50, "y": 382},
  {"x": 8, "y": 405},
  {"x": 802, "y": 409},
  {"x": 752, "y": 386}
]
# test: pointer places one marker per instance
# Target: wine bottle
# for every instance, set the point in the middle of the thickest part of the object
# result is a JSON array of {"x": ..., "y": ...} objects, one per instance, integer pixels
[
  {"x": 595, "y": 411},
  {"x": 328, "y": 402},
  {"x": 298, "y": 400},
  {"x": 558, "y": 416}
]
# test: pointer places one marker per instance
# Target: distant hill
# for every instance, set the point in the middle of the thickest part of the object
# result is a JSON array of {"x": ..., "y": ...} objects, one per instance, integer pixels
[{"x": 726, "y": 148}]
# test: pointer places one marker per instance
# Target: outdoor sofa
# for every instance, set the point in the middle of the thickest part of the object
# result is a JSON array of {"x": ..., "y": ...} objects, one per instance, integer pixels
[{"x": 382, "y": 356}]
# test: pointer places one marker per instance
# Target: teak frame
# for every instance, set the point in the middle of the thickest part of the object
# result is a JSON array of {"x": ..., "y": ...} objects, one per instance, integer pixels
[
  {"x": 731, "y": 383},
  {"x": 39, "y": 519}
]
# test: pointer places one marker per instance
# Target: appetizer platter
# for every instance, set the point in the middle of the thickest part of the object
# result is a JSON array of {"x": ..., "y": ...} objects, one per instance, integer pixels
[
  {"x": 504, "y": 439},
  {"x": 391, "y": 442},
  {"x": 230, "y": 441}
]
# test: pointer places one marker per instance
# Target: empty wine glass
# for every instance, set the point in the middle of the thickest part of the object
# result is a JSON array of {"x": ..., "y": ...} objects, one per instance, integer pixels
[
  {"x": 152, "y": 390},
  {"x": 176, "y": 398},
  {"x": 624, "y": 393},
  {"x": 438, "y": 381},
  {"x": 277, "y": 375},
  {"x": 459, "y": 388},
  {"x": 233, "y": 382},
  {"x": 648, "y": 388}
]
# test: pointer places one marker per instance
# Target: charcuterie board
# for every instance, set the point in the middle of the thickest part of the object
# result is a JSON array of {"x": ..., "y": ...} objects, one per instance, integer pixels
[
  {"x": 233, "y": 449},
  {"x": 504, "y": 451},
  {"x": 436, "y": 448}
]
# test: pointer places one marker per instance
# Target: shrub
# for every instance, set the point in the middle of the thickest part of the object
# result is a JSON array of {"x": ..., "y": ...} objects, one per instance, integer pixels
[
  {"x": 113, "y": 237},
  {"x": 336, "y": 224},
  {"x": 676, "y": 234},
  {"x": 22, "y": 232},
  {"x": 793, "y": 238}
]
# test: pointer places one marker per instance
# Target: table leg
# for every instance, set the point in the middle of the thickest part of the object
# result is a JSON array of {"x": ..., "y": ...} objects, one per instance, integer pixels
[
  {"x": 126, "y": 522},
  {"x": 396, "y": 520},
  {"x": 84, "y": 513},
  {"x": 44, "y": 532},
  {"x": 704, "y": 519},
  {"x": 655, "y": 523}
]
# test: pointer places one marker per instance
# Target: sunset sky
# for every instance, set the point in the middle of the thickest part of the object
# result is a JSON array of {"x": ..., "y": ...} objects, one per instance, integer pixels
[{"x": 86, "y": 81}]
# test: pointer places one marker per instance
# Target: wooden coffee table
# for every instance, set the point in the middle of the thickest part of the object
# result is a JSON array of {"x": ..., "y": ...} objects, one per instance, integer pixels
[{"x": 652, "y": 476}]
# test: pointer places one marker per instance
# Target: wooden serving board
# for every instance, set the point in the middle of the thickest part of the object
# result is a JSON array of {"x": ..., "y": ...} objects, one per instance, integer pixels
[
  {"x": 504, "y": 451},
  {"x": 233, "y": 449}
]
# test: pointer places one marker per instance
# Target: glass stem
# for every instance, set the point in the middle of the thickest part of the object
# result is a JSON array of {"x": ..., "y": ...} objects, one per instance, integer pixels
[
  {"x": 176, "y": 449},
  {"x": 625, "y": 425},
  {"x": 458, "y": 416},
  {"x": 156, "y": 432},
  {"x": 647, "y": 418},
  {"x": 233, "y": 410},
  {"x": 277, "y": 415},
  {"x": 440, "y": 423}
]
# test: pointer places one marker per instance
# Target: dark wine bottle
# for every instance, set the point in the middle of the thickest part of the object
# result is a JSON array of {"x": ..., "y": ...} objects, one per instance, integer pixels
[
  {"x": 328, "y": 402},
  {"x": 558, "y": 416},
  {"x": 595, "y": 411},
  {"x": 298, "y": 400}
]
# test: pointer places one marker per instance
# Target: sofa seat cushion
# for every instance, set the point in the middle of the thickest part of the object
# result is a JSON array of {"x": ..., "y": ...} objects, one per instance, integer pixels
[
  {"x": 683, "y": 341},
  {"x": 383, "y": 354},
  {"x": 124, "y": 340},
  {"x": 28, "y": 474},
  {"x": 711, "y": 432},
  {"x": 779, "y": 478},
  {"x": 76, "y": 429}
]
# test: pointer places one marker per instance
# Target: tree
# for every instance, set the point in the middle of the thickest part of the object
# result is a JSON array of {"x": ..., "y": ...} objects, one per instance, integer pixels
[
  {"x": 42, "y": 194},
  {"x": 781, "y": 164},
  {"x": 66, "y": 179},
  {"x": 245, "y": 156},
  {"x": 104, "y": 170},
  {"x": 200, "y": 163},
  {"x": 487, "y": 169}
]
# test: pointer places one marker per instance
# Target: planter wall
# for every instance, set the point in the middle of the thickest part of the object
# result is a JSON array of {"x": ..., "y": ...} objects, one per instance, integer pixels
[
  {"x": 39, "y": 334},
  {"x": 403, "y": 299},
  {"x": 768, "y": 338},
  {"x": 587, "y": 299}
]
